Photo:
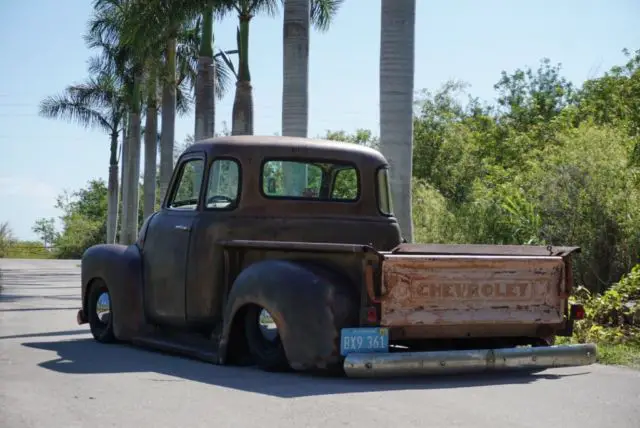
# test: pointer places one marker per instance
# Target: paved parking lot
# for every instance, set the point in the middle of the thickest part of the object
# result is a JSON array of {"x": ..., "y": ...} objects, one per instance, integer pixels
[{"x": 52, "y": 374}]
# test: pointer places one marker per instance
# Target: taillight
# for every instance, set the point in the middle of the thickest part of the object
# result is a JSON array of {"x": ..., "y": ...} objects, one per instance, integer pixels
[
  {"x": 577, "y": 312},
  {"x": 372, "y": 314}
]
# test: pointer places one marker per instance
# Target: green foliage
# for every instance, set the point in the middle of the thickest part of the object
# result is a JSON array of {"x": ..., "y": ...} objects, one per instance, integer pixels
[
  {"x": 612, "y": 320},
  {"x": 79, "y": 233},
  {"x": 552, "y": 164},
  {"x": 84, "y": 219},
  {"x": 363, "y": 137}
]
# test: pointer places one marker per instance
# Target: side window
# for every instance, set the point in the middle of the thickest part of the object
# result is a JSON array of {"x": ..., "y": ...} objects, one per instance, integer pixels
[
  {"x": 224, "y": 184},
  {"x": 185, "y": 196},
  {"x": 385, "y": 203}
]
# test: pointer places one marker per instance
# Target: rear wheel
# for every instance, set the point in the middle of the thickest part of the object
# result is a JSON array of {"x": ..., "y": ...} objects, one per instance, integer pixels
[
  {"x": 264, "y": 340},
  {"x": 100, "y": 314}
]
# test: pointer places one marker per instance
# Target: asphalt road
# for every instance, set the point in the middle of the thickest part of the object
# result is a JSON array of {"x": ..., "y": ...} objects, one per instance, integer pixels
[{"x": 52, "y": 374}]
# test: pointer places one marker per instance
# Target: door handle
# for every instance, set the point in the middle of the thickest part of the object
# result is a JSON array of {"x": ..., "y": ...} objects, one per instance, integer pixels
[{"x": 182, "y": 227}]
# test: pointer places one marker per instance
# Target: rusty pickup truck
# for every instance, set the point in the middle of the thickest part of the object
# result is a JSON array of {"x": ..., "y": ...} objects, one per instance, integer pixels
[{"x": 284, "y": 252}]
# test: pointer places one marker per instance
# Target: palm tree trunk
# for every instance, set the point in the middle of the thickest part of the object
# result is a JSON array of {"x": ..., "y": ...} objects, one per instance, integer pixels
[
  {"x": 205, "y": 81},
  {"x": 150, "y": 156},
  {"x": 167, "y": 133},
  {"x": 397, "y": 39},
  {"x": 130, "y": 197},
  {"x": 112, "y": 190},
  {"x": 295, "y": 85},
  {"x": 123, "y": 174},
  {"x": 295, "y": 66},
  {"x": 242, "y": 114}
]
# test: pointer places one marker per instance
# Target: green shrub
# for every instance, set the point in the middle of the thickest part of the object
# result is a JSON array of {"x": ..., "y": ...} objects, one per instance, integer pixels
[{"x": 614, "y": 316}]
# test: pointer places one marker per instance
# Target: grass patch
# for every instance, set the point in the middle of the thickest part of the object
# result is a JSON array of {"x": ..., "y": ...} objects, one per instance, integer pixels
[
  {"x": 625, "y": 353},
  {"x": 27, "y": 250},
  {"x": 31, "y": 253},
  {"x": 619, "y": 354}
]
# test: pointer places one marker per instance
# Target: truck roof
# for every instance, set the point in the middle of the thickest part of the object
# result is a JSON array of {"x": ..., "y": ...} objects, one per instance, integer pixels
[{"x": 277, "y": 146}]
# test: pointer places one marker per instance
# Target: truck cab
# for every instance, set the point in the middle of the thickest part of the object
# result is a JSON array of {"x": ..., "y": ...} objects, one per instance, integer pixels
[{"x": 245, "y": 189}]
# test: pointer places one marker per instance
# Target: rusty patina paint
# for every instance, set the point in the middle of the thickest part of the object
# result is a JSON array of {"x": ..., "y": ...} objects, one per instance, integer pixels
[
  {"x": 452, "y": 290},
  {"x": 317, "y": 265}
]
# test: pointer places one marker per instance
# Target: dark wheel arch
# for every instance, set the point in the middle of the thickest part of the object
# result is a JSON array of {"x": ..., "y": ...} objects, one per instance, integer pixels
[{"x": 310, "y": 305}]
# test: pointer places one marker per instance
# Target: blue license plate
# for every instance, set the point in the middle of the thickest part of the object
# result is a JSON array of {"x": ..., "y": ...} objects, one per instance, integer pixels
[{"x": 364, "y": 340}]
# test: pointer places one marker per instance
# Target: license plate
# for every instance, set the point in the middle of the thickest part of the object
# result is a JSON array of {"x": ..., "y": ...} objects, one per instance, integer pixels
[{"x": 364, "y": 340}]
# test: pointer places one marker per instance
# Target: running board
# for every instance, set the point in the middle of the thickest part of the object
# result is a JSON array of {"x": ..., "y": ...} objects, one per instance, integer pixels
[
  {"x": 199, "y": 349},
  {"x": 482, "y": 360}
]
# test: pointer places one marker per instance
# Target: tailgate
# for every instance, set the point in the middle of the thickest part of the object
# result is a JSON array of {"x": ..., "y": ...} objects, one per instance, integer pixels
[{"x": 472, "y": 289}]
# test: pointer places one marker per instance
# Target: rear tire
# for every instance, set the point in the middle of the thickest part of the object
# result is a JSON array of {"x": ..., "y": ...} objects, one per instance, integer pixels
[
  {"x": 268, "y": 353},
  {"x": 100, "y": 314}
]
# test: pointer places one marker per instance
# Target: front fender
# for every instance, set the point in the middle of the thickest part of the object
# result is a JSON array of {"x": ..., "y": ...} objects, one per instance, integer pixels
[
  {"x": 120, "y": 267},
  {"x": 309, "y": 304}
]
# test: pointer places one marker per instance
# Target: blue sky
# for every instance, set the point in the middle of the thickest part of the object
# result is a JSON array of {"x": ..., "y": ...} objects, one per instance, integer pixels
[{"x": 43, "y": 51}]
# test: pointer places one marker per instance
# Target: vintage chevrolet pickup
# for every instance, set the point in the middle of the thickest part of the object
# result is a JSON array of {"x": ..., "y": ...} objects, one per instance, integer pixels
[{"x": 284, "y": 252}]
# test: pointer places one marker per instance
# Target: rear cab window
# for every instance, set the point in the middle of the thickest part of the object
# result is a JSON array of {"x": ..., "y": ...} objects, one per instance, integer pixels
[{"x": 310, "y": 180}]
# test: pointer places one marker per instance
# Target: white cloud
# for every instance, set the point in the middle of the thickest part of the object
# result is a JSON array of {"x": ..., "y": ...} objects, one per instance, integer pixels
[{"x": 21, "y": 186}]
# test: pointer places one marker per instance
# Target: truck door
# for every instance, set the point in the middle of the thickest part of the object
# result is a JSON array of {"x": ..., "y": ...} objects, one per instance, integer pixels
[{"x": 167, "y": 244}]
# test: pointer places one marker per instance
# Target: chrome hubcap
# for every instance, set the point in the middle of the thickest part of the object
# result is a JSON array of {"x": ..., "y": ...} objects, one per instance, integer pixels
[
  {"x": 103, "y": 308},
  {"x": 267, "y": 326}
]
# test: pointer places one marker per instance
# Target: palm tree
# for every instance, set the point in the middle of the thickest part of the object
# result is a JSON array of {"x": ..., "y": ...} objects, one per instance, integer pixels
[
  {"x": 295, "y": 68},
  {"x": 205, "y": 109},
  {"x": 97, "y": 103},
  {"x": 127, "y": 61},
  {"x": 161, "y": 22},
  {"x": 139, "y": 63},
  {"x": 397, "y": 39},
  {"x": 150, "y": 141},
  {"x": 242, "y": 113}
]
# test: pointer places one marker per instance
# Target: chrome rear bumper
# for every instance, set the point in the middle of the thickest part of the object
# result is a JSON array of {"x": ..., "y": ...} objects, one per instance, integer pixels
[{"x": 430, "y": 363}]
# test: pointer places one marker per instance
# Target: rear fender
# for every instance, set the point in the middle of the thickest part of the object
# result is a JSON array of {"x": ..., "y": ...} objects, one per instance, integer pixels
[
  {"x": 309, "y": 304},
  {"x": 120, "y": 267}
]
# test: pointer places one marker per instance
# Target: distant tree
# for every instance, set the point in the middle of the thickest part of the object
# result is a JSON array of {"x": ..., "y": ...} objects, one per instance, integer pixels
[
  {"x": 46, "y": 230},
  {"x": 6, "y": 238},
  {"x": 529, "y": 97}
]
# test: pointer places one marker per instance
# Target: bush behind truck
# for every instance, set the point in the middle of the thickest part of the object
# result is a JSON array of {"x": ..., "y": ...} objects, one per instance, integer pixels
[{"x": 285, "y": 252}]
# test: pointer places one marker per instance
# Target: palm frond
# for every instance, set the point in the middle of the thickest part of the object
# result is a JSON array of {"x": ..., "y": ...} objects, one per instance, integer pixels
[
  {"x": 323, "y": 12},
  {"x": 183, "y": 98},
  {"x": 68, "y": 107},
  {"x": 267, "y": 7},
  {"x": 101, "y": 90},
  {"x": 225, "y": 76}
]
